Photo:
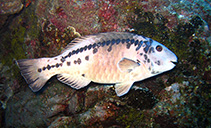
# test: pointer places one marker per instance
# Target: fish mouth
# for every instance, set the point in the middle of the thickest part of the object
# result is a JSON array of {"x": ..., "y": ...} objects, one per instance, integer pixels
[
  {"x": 174, "y": 59},
  {"x": 174, "y": 62}
]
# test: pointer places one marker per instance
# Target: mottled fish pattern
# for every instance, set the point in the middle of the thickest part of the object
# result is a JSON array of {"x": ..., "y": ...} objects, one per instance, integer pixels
[{"x": 119, "y": 58}]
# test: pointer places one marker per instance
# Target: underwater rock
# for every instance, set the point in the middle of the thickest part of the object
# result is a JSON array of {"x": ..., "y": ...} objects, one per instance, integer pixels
[
  {"x": 63, "y": 121},
  {"x": 96, "y": 93},
  {"x": 29, "y": 109},
  {"x": 10, "y": 6},
  {"x": 25, "y": 110},
  {"x": 140, "y": 98},
  {"x": 75, "y": 104},
  {"x": 102, "y": 113},
  {"x": 178, "y": 11},
  {"x": 8, "y": 85}
]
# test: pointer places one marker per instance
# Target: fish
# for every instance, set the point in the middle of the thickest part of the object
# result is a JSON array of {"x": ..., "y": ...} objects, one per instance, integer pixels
[{"x": 118, "y": 58}]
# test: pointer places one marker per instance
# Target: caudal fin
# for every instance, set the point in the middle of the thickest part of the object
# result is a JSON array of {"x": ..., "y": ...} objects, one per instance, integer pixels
[{"x": 30, "y": 71}]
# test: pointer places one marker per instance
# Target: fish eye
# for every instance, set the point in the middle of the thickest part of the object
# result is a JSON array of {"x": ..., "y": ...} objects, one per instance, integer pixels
[{"x": 159, "y": 48}]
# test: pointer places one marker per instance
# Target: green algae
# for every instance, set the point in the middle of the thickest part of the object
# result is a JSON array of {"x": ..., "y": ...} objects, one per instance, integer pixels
[
  {"x": 13, "y": 46},
  {"x": 131, "y": 118}
]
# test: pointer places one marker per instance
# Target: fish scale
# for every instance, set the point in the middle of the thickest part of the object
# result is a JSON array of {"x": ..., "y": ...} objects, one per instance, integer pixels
[
  {"x": 108, "y": 66},
  {"x": 119, "y": 58}
]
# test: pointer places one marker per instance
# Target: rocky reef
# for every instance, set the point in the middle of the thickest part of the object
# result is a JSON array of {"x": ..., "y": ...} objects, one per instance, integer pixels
[{"x": 40, "y": 28}]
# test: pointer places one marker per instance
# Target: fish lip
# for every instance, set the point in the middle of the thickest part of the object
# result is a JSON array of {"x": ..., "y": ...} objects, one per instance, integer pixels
[{"x": 174, "y": 62}]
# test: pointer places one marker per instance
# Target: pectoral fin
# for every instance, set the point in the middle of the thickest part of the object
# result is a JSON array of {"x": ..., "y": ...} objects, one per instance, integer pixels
[
  {"x": 123, "y": 88},
  {"x": 127, "y": 65}
]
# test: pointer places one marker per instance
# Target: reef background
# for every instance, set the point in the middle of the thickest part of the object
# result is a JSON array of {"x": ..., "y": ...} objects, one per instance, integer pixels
[{"x": 42, "y": 28}]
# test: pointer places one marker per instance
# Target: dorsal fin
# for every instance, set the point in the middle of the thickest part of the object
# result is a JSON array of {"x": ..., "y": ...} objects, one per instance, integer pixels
[
  {"x": 91, "y": 39},
  {"x": 79, "y": 42}
]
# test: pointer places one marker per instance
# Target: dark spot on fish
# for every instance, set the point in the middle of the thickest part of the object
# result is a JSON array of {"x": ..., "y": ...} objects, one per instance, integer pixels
[
  {"x": 68, "y": 63},
  {"x": 158, "y": 62},
  {"x": 87, "y": 58},
  {"x": 75, "y": 62},
  {"x": 85, "y": 48},
  {"x": 136, "y": 42},
  {"x": 43, "y": 68},
  {"x": 94, "y": 45},
  {"x": 138, "y": 47},
  {"x": 150, "y": 41},
  {"x": 153, "y": 72},
  {"x": 148, "y": 60},
  {"x": 57, "y": 65},
  {"x": 117, "y": 41},
  {"x": 103, "y": 44},
  {"x": 55, "y": 58},
  {"x": 48, "y": 67},
  {"x": 83, "y": 75},
  {"x": 148, "y": 44},
  {"x": 132, "y": 41},
  {"x": 113, "y": 42},
  {"x": 123, "y": 41},
  {"x": 60, "y": 64},
  {"x": 109, "y": 49},
  {"x": 149, "y": 68},
  {"x": 108, "y": 42},
  {"x": 81, "y": 49},
  {"x": 39, "y": 70},
  {"x": 98, "y": 44},
  {"x": 52, "y": 66},
  {"x": 62, "y": 59},
  {"x": 69, "y": 54},
  {"x": 90, "y": 46},
  {"x": 79, "y": 61},
  {"x": 138, "y": 61},
  {"x": 127, "y": 40},
  {"x": 141, "y": 42},
  {"x": 141, "y": 54},
  {"x": 66, "y": 56},
  {"x": 48, "y": 60},
  {"x": 128, "y": 45},
  {"x": 73, "y": 52},
  {"x": 77, "y": 51},
  {"x": 145, "y": 56},
  {"x": 95, "y": 50},
  {"x": 151, "y": 50}
]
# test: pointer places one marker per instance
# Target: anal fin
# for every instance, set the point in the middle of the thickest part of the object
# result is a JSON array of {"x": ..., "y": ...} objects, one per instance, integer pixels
[
  {"x": 122, "y": 88},
  {"x": 76, "y": 82}
]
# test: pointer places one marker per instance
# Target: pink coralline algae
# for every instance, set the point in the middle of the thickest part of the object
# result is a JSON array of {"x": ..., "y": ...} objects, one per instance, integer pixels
[
  {"x": 86, "y": 16},
  {"x": 108, "y": 15},
  {"x": 105, "y": 15},
  {"x": 69, "y": 13}
]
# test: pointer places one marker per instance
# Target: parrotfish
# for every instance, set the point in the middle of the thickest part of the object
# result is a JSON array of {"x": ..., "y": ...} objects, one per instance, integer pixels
[{"x": 118, "y": 58}]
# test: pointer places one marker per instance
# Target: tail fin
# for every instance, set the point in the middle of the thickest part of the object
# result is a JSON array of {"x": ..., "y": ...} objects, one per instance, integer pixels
[{"x": 30, "y": 71}]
